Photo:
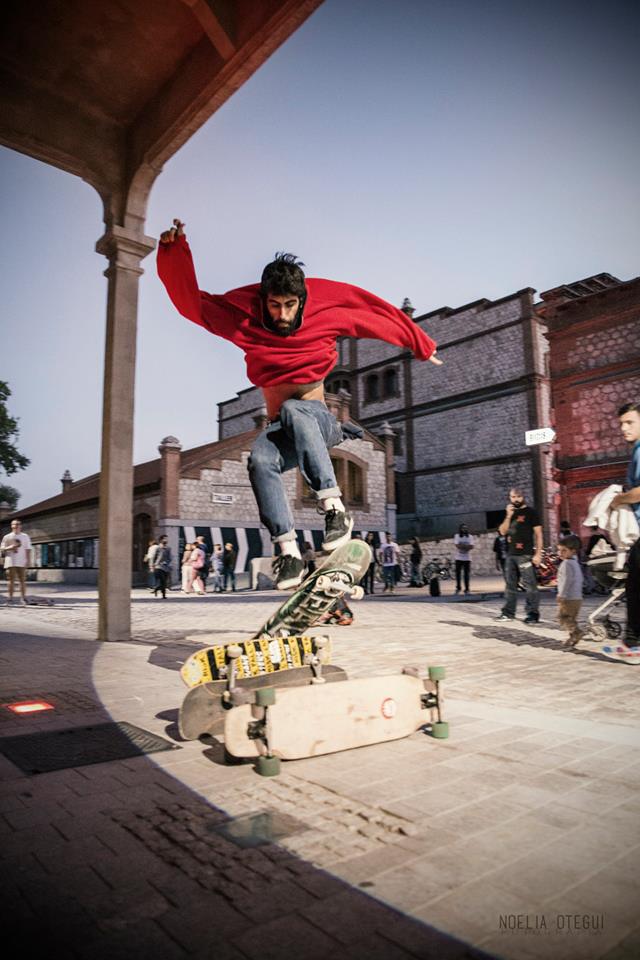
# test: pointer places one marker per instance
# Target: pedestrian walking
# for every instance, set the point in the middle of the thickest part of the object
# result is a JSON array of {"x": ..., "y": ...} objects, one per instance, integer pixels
[
  {"x": 162, "y": 567},
  {"x": 17, "y": 553},
  {"x": 229, "y": 567},
  {"x": 388, "y": 555},
  {"x": 570, "y": 582},
  {"x": 521, "y": 526},
  {"x": 148, "y": 559},
  {"x": 464, "y": 543}
]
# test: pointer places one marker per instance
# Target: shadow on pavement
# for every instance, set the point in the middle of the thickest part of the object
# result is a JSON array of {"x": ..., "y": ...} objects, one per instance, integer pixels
[{"x": 120, "y": 859}]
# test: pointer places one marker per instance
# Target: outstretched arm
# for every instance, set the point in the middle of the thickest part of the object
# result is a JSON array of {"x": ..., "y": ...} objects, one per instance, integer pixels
[
  {"x": 363, "y": 314},
  {"x": 176, "y": 270}
]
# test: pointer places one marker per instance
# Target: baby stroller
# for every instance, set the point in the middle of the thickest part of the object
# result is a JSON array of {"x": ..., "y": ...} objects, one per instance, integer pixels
[{"x": 608, "y": 571}]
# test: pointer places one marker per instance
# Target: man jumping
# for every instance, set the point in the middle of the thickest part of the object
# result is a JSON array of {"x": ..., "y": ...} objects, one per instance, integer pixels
[{"x": 287, "y": 326}]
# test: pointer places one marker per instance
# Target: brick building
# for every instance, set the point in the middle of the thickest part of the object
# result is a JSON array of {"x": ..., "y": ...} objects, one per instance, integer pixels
[
  {"x": 458, "y": 430},
  {"x": 203, "y": 491},
  {"x": 593, "y": 329}
]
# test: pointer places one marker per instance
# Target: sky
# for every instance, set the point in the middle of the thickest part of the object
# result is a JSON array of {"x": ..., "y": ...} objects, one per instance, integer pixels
[{"x": 444, "y": 150}]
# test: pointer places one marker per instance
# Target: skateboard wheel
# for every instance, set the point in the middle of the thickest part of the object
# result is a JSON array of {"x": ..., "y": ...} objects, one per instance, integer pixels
[
  {"x": 440, "y": 730},
  {"x": 357, "y": 593},
  {"x": 234, "y": 650},
  {"x": 268, "y": 766},
  {"x": 437, "y": 673},
  {"x": 265, "y": 697}
]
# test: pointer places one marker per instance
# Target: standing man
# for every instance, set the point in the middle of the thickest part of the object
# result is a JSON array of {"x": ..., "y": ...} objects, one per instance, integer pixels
[
  {"x": 521, "y": 526},
  {"x": 629, "y": 416},
  {"x": 162, "y": 567},
  {"x": 18, "y": 555},
  {"x": 229, "y": 567},
  {"x": 388, "y": 555},
  {"x": 287, "y": 326}
]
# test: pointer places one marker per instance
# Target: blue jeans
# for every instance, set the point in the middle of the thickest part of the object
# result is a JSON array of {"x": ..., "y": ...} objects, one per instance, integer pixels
[
  {"x": 301, "y": 437},
  {"x": 528, "y": 576}
]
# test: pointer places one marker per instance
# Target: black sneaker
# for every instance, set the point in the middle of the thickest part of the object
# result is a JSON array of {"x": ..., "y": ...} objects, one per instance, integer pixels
[
  {"x": 503, "y": 617},
  {"x": 289, "y": 571},
  {"x": 532, "y": 618},
  {"x": 337, "y": 529}
]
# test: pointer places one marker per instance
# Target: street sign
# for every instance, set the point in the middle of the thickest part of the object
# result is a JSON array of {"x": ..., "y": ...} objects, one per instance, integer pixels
[{"x": 542, "y": 435}]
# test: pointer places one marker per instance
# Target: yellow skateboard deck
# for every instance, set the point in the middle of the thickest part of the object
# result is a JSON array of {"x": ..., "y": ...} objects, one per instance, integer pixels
[{"x": 261, "y": 656}]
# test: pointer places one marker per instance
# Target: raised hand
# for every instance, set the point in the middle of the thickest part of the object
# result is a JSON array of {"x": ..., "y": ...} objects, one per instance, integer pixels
[{"x": 177, "y": 230}]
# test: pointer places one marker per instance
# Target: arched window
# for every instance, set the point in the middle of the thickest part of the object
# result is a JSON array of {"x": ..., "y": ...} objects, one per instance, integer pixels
[{"x": 371, "y": 388}]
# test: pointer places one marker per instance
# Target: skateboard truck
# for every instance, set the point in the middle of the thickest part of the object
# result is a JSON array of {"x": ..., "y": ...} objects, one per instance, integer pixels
[
  {"x": 230, "y": 695},
  {"x": 338, "y": 585},
  {"x": 432, "y": 699},
  {"x": 314, "y": 660}
]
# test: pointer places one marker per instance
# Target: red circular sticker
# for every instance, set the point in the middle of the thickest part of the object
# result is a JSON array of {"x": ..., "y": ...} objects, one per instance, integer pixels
[{"x": 389, "y": 708}]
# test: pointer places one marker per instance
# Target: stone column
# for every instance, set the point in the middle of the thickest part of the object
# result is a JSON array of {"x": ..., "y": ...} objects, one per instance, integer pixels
[
  {"x": 124, "y": 249},
  {"x": 170, "y": 498},
  {"x": 386, "y": 434}
]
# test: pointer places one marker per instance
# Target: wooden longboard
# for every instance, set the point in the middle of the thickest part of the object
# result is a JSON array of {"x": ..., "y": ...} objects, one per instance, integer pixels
[
  {"x": 203, "y": 710},
  {"x": 304, "y": 607},
  {"x": 318, "y": 719},
  {"x": 265, "y": 655}
]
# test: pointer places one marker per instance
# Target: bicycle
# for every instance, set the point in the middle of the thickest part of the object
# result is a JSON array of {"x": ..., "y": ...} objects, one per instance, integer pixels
[{"x": 437, "y": 567}]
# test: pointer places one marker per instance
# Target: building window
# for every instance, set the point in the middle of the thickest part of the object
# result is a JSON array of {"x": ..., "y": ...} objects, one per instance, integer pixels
[
  {"x": 371, "y": 388},
  {"x": 390, "y": 381},
  {"x": 351, "y": 477},
  {"x": 338, "y": 384},
  {"x": 398, "y": 444}
]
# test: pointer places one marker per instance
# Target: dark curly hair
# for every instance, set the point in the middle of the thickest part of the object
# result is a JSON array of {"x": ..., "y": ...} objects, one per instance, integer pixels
[{"x": 283, "y": 277}]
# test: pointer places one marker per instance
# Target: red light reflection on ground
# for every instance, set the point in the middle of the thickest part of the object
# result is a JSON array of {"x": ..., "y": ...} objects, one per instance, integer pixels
[{"x": 30, "y": 706}]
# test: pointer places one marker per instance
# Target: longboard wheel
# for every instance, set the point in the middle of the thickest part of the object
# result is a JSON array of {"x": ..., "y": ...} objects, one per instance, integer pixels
[
  {"x": 266, "y": 697},
  {"x": 437, "y": 673},
  {"x": 268, "y": 766},
  {"x": 440, "y": 731}
]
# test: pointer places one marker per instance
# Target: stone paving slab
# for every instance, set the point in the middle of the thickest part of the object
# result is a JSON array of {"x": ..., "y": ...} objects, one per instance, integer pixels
[{"x": 527, "y": 814}]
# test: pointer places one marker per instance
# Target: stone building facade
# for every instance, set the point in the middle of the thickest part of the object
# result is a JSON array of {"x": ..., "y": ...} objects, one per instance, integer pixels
[
  {"x": 203, "y": 491},
  {"x": 458, "y": 430},
  {"x": 593, "y": 329}
]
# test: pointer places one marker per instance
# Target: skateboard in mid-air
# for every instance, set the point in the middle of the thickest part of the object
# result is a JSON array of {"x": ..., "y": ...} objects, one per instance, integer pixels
[{"x": 317, "y": 719}]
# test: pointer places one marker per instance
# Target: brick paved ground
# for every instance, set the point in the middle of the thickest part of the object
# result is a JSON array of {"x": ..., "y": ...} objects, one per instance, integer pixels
[{"x": 518, "y": 829}]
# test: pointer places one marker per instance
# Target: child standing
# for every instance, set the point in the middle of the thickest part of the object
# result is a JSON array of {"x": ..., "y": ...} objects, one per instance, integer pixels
[{"x": 570, "y": 587}]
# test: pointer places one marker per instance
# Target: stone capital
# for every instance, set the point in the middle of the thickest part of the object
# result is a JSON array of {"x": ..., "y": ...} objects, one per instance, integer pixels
[{"x": 124, "y": 248}]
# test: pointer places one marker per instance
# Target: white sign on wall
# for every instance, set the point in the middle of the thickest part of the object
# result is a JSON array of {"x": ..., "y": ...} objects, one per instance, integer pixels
[
  {"x": 542, "y": 435},
  {"x": 222, "y": 498}
]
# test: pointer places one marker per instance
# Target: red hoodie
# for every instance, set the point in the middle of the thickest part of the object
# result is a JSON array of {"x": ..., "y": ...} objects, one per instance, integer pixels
[{"x": 331, "y": 310}]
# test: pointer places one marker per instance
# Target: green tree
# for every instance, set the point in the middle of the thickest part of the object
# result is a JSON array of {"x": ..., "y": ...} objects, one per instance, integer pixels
[
  {"x": 10, "y": 458},
  {"x": 9, "y": 495}
]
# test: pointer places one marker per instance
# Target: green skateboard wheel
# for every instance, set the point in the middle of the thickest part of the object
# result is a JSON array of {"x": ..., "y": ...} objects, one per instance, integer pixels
[
  {"x": 440, "y": 730},
  {"x": 268, "y": 766},
  {"x": 437, "y": 673},
  {"x": 265, "y": 697}
]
